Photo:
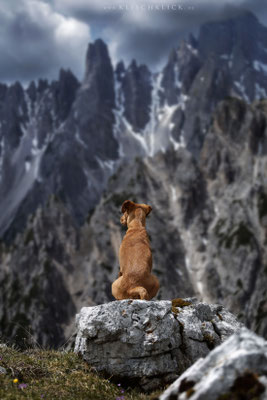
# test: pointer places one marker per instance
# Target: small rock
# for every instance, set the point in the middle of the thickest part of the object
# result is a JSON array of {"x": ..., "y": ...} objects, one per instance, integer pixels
[
  {"x": 234, "y": 370},
  {"x": 2, "y": 370}
]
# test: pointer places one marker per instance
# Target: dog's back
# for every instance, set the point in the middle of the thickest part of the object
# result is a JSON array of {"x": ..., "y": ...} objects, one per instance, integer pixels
[{"x": 135, "y": 254}]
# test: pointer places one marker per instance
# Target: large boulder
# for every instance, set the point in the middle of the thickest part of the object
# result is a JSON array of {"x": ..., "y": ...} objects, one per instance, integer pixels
[
  {"x": 150, "y": 343},
  {"x": 235, "y": 370}
]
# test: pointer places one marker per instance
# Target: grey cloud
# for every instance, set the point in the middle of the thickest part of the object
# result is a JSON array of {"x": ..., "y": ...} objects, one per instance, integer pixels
[
  {"x": 29, "y": 50},
  {"x": 258, "y": 7},
  {"x": 25, "y": 51},
  {"x": 22, "y": 28},
  {"x": 151, "y": 40}
]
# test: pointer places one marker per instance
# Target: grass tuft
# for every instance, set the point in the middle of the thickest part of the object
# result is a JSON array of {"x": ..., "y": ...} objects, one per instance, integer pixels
[{"x": 50, "y": 374}]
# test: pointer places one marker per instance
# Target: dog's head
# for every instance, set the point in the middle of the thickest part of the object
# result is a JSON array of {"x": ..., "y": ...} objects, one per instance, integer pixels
[{"x": 133, "y": 210}]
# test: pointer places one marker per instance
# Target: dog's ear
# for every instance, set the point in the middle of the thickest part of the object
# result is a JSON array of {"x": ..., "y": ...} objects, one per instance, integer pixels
[
  {"x": 124, "y": 220},
  {"x": 128, "y": 206},
  {"x": 148, "y": 210}
]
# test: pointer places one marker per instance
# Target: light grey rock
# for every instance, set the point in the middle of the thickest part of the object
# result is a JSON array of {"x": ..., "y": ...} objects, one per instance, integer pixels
[
  {"x": 150, "y": 343},
  {"x": 236, "y": 368}
]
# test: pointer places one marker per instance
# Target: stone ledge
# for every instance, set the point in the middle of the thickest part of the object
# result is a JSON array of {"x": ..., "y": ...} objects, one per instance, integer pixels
[{"x": 150, "y": 343}]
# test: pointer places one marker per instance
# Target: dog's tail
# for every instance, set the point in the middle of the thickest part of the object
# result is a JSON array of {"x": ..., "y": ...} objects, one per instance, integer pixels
[{"x": 138, "y": 292}]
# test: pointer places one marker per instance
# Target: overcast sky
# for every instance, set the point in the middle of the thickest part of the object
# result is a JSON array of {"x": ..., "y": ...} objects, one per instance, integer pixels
[{"x": 38, "y": 37}]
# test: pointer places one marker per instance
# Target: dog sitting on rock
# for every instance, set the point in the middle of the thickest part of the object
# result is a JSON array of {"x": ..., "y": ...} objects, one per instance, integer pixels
[{"x": 135, "y": 279}]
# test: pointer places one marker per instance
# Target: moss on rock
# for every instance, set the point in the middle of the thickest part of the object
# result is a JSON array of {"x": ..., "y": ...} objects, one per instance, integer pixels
[
  {"x": 245, "y": 387},
  {"x": 180, "y": 302}
]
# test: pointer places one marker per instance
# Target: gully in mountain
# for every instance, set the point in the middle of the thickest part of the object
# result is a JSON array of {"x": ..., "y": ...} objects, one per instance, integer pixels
[{"x": 135, "y": 279}]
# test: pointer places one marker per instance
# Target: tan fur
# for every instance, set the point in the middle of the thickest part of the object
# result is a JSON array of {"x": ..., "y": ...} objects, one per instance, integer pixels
[{"x": 135, "y": 279}]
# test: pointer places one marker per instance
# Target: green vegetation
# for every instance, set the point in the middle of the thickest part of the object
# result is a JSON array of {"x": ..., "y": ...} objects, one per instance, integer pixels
[
  {"x": 49, "y": 374},
  {"x": 209, "y": 339},
  {"x": 175, "y": 310},
  {"x": 89, "y": 215},
  {"x": 240, "y": 236},
  {"x": 231, "y": 98},
  {"x": 47, "y": 265},
  {"x": 239, "y": 283},
  {"x": 29, "y": 237},
  {"x": 55, "y": 198},
  {"x": 119, "y": 198},
  {"x": 131, "y": 183},
  {"x": 179, "y": 303},
  {"x": 22, "y": 302},
  {"x": 108, "y": 267},
  {"x": 261, "y": 313},
  {"x": 262, "y": 205},
  {"x": 218, "y": 227},
  {"x": 33, "y": 293}
]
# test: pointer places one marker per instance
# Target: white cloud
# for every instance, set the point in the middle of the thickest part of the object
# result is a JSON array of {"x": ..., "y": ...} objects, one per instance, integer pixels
[
  {"x": 63, "y": 28},
  {"x": 68, "y": 33},
  {"x": 35, "y": 36}
]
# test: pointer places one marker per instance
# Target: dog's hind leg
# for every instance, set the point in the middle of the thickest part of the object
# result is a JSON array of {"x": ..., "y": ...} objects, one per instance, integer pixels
[
  {"x": 152, "y": 286},
  {"x": 117, "y": 289},
  {"x": 138, "y": 292}
]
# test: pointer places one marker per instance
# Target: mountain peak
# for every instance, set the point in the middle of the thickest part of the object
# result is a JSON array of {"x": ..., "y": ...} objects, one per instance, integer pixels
[
  {"x": 242, "y": 30},
  {"x": 173, "y": 56},
  {"x": 133, "y": 65},
  {"x": 120, "y": 70},
  {"x": 192, "y": 41},
  {"x": 120, "y": 67},
  {"x": 97, "y": 55}
]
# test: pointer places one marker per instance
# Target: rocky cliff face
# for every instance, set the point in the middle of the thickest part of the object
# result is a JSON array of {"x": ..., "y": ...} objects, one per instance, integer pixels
[
  {"x": 36, "y": 279},
  {"x": 69, "y": 153},
  {"x": 190, "y": 141},
  {"x": 236, "y": 145},
  {"x": 209, "y": 217}
]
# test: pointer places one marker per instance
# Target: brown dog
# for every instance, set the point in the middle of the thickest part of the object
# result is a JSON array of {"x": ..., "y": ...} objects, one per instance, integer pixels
[{"x": 135, "y": 279}]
